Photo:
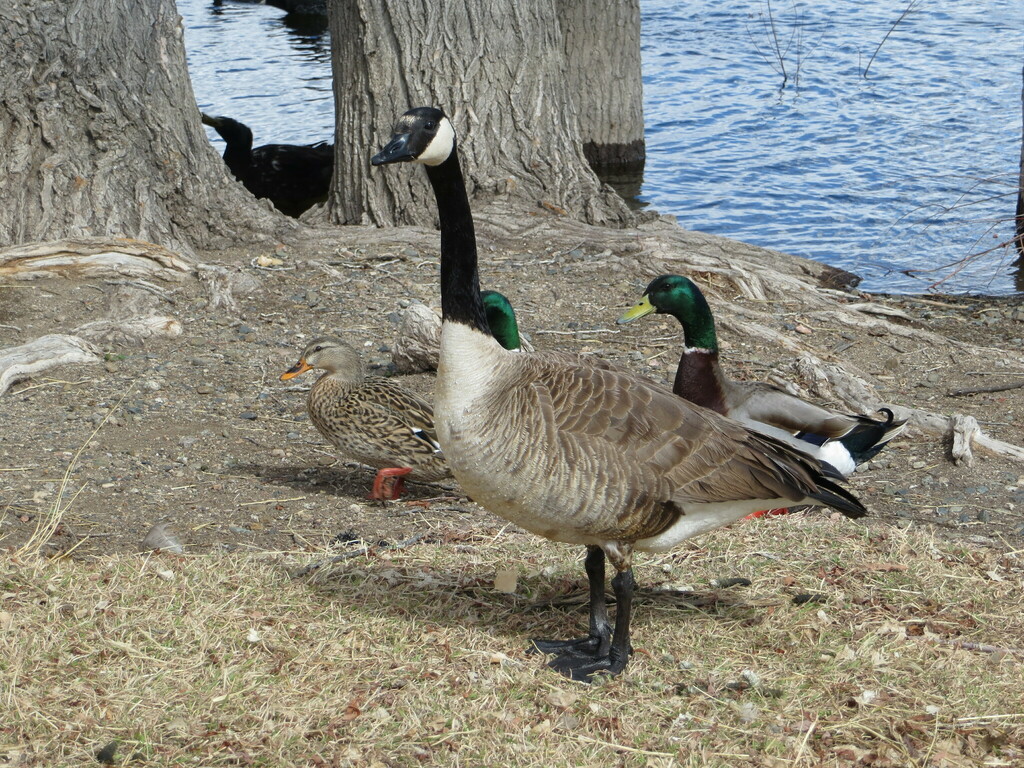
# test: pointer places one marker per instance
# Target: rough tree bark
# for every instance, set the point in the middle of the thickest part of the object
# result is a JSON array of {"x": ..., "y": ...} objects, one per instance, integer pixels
[
  {"x": 497, "y": 68},
  {"x": 602, "y": 49},
  {"x": 1020, "y": 198},
  {"x": 101, "y": 134}
]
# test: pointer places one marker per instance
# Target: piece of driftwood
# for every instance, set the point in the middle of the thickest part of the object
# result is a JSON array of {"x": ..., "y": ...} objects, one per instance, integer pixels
[
  {"x": 93, "y": 257},
  {"x": 983, "y": 390},
  {"x": 40, "y": 354},
  {"x": 878, "y": 309},
  {"x": 964, "y": 430},
  {"x": 224, "y": 284},
  {"x": 130, "y": 330}
]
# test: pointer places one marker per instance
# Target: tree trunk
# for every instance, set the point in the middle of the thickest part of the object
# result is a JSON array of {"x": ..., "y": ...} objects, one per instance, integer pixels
[
  {"x": 497, "y": 68},
  {"x": 602, "y": 49},
  {"x": 1020, "y": 195},
  {"x": 101, "y": 134}
]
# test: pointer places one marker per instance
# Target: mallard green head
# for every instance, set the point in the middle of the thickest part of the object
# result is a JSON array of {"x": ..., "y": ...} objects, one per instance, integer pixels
[
  {"x": 501, "y": 319},
  {"x": 680, "y": 297}
]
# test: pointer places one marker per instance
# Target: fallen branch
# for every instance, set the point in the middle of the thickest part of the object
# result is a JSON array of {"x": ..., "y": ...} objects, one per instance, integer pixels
[
  {"x": 981, "y": 390},
  {"x": 967, "y": 645},
  {"x": 43, "y": 353},
  {"x": 363, "y": 550},
  {"x": 131, "y": 330},
  {"x": 93, "y": 257}
]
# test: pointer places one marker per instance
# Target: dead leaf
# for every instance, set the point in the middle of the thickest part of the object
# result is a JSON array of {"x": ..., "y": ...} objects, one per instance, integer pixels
[
  {"x": 505, "y": 581},
  {"x": 561, "y": 699}
]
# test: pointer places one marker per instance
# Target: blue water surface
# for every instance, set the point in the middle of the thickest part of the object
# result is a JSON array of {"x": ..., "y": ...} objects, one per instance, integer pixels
[{"x": 891, "y": 176}]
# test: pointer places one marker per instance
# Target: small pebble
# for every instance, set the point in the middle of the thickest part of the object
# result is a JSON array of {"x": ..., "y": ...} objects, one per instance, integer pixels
[{"x": 204, "y": 389}]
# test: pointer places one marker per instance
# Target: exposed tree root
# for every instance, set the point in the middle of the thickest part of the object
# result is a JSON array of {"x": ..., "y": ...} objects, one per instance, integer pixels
[
  {"x": 43, "y": 353},
  {"x": 93, "y": 257}
]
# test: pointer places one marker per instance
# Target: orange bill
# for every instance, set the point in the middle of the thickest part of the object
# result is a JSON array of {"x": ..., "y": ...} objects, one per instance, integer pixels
[{"x": 300, "y": 367}]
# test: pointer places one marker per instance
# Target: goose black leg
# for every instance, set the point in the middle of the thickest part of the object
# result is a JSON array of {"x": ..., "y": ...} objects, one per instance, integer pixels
[
  {"x": 598, "y": 641},
  {"x": 613, "y": 661}
]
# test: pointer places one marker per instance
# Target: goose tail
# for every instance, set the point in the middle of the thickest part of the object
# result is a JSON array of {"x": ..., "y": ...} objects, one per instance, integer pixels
[{"x": 834, "y": 495}]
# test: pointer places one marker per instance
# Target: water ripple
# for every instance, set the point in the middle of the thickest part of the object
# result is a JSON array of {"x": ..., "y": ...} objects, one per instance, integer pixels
[{"x": 909, "y": 169}]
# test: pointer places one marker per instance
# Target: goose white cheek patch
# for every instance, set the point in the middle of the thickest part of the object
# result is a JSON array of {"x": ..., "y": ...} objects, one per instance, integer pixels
[{"x": 441, "y": 145}]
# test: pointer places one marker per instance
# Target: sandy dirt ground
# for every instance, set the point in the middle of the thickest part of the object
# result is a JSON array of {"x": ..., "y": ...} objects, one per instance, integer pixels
[{"x": 196, "y": 431}]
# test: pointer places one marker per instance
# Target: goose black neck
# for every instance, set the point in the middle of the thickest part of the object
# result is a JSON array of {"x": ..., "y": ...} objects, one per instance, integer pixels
[{"x": 460, "y": 282}]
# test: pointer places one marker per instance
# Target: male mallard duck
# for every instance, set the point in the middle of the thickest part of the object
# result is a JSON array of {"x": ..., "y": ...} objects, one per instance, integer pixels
[
  {"x": 844, "y": 441},
  {"x": 576, "y": 451},
  {"x": 370, "y": 419},
  {"x": 501, "y": 319},
  {"x": 295, "y": 177},
  {"x": 419, "y": 337}
]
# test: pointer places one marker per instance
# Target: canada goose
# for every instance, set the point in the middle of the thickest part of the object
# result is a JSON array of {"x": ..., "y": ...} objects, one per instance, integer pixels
[
  {"x": 295, "y": 177},
  {"x": 370, "y": 419},
  {"x": 844, "y": 441},
  {"x": 578, "y": 452}
]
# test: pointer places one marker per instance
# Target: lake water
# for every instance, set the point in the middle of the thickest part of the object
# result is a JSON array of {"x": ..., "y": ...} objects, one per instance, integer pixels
[{"x": 891, "y": 176}]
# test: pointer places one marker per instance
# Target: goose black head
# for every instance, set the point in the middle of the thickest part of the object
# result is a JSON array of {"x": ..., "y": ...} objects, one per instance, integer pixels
[
  {"x": 422, "y": 135},
  {"x": 234, "y": 133}
]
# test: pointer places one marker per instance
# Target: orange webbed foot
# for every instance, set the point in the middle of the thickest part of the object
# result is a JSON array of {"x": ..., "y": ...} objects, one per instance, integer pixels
[{"x": 389, "y": 483}]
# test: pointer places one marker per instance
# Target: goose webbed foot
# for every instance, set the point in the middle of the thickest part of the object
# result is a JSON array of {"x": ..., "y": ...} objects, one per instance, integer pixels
[
  {"x": 582, "y": 668},
  {"x": 581, "y": 646},
  {"x": 603, "y": 650},
  {"x": 389, "y": 483},
  {"x": 598, "y": 640}
]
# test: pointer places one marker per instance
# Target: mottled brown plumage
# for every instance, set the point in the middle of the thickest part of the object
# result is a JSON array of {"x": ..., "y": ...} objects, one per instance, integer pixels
[
  {"x": 580, "y": 451},
  {"x": 369, "y": 419}
]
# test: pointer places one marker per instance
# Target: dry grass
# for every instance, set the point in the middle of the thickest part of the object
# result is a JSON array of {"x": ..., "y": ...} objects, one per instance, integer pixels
[{"x": 410, "y": 657}]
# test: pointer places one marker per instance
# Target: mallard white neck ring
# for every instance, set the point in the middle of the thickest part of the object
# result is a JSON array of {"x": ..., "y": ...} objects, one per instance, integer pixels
[{"x": 440, "y": 147}]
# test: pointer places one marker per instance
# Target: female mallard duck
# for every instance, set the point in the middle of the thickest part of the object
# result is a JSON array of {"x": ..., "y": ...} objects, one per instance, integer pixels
[
  {"x": 844, "y": 441},
  {"x": 295, "y": 177},
  {"x": 576, "y": 451},
  {"x": 370, "y": 419}
]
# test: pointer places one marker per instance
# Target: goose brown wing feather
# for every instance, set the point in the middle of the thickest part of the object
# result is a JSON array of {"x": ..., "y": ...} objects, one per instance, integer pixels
[{"x": 697, "y": 456}]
